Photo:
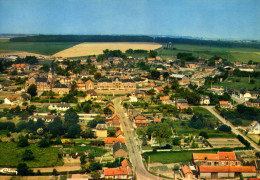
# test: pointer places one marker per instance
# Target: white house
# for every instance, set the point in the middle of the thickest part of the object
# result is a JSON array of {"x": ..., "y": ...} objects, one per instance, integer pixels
[
  {"x": 254, "y": 128},
  {"x": 204, "y": 99},
  {"x": 59, "y": 107},
  {"x": 133, "y": 98}
]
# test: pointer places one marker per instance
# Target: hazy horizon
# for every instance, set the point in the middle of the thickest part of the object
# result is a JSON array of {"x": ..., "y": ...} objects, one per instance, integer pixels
[{"x": 206, "y": 19}]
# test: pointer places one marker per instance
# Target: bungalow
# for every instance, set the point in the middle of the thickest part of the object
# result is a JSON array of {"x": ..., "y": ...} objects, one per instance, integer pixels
[
  {"x": 109, "y": 141},
  {"x": 225, "y": 104},
  {"x": 116, "y": 173},
  {"x": 120, "y": 149},
  {"x": 215, "y": 172},
  {"x": 59, "y": 107},
  {"x": 101, "y": 130}
]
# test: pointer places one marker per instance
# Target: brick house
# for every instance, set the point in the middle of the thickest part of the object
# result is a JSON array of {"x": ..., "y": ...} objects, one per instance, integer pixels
[
  {"x": 115, "y": 120},
  {"x": 120, "y": 149},
  {"x": 141, "y": 121},
  {"x": 127, "y": 85},
  {"x": 116, "y": 173},
  {"x": 60, "y": 89},
  {"x": 182, "y": 104}
]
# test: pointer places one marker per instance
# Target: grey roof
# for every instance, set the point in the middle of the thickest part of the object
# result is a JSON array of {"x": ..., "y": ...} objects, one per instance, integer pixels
[
  {"x": 204, "y": 97},
  {"x": 182, "y": 101},
  {"x": 254, "y": 100},
  {"x": 41, "y": 80},
  {"x": 60, "y": 86},
  {"x": 111, "y": 80},
  {"x": 128, "y": 80},
  {"x": 119, "y": 145},
  {"x": 63, "y": 105},
  {"x": 105, "y": 80}
]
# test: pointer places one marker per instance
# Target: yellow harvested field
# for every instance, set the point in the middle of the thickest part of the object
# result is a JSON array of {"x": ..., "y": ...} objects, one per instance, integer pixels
[
  {"x": 85, "y": 49},
  {"x": 21, "y": 54}
]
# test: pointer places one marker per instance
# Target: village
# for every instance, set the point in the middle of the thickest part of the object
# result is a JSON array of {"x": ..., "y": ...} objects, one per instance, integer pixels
[{"x": 172, "y": 106}]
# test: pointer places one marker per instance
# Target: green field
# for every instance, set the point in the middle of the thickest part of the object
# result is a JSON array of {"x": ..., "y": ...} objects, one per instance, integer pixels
[
  {"x": 96, "y": 151},
  {"x": 232, "y": 54},
  {"x": 11, "y": 156},
  {"x": 238, "y": 83},
  {"x": 44, "y": 48},
  {"x": 167, "y": 157},
  {"x": 186, "y": 130}
]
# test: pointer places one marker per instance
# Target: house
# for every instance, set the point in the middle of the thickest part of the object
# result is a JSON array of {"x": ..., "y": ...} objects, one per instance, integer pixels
[
  {"x": 116, "y": 173},
  {"x": 119, "y": 133},
  {"x": 133, "y": 98},
  {"x": 59, "y": 107},
  {"x": 109, "y": 141},
  {"x": 89, "y": 85},
  {"x": 141, "y": 121},
  {"x": 186, "y": 172},
  {"x": 253, "y": 103},
  {"x": 120, "y": 149},
  {"x": 215, "y": 172},
  {"x": 204, "y": 99},
  {"x": 158, "y": 89},
  {"x": 101, "y": 130},
  {"x": 115, "y": 120},
  {"x": 182, "y": 104},
  {"x": 60, "y": 89},
  {"x": 165, "y": 100},
  {"x": 16, "y": 99},
  {"x": 257, "y": 165},
  {"x": 219, "y": 159},
  {"x": 225, "y": 104},
  {"x": 157, "y": 120},
  {"x": 254, "y": 128},
  {"x": 91, "y": 94}
]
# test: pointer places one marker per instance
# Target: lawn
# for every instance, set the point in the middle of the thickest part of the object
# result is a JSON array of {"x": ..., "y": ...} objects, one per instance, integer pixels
[
  {"x": 239, "y": 82},
  {"x": 96, "y": 151},
  {"x": 167, "y": 157},
  {"x": 232, "y": 54},
  {"x": 205, "y": 113},
  {"x": 11, "y": 156},
  {"x": 44, "y": 48}
]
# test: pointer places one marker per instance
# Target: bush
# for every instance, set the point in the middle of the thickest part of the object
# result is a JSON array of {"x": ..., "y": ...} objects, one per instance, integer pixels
[
  {"x": 242, "y": 140},
  {"x": 225, "y": 128},
  {"x": 204, "y": 134},
  {"x": 43, "y": 143}
]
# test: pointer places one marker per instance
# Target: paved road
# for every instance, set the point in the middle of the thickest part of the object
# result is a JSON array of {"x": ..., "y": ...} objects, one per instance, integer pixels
[
  {"x": 233, "y": 128},
  {"x": 134, "y": 149}
]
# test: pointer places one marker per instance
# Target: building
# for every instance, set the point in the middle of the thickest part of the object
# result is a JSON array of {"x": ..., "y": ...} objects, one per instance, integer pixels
[
  {"x": 219, "y": 159},
  {"x": 116, "y": 84},
  {"x": 204, "y": 99},
  {"x": 141, "y": 121},
  {"x": 253, "y": 103},
  {"x": 225, "y": 104},
  {"x": 254, "y": 128},
  {"x": 115, "y": 120},
  {"x": 101, "y": 130},
  {"x": 186, "y": 172},
  {"x": 120, "y": 149},
  {"x": 59, "y": 107},
  {"x": 215, "y": 172},
  {"x": 109, "y": 141},
  {"x": 60, "y": 89},
  {"x": 182, "y": 104},
  {"x": 116, "y": 173}
]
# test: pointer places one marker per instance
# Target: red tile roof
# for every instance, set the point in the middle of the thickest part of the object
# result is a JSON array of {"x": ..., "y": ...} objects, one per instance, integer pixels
[
  {"x": 110, "y": 140},
  {"x": 223, "y": 102},
  {"x": 227, "y": 169},
  {"x": 156, "y": 119},
  {"x": 164, "y": 98},
  {"x": 141, "y": 122},
  {"x": 159, "y": 88},
  {"x": 115, "y": 171},
  {"x": 186, "y": 169},
  {"x": 140, "y": 117},
  {"x": 124, "y": 163},
  {"x": 218, "y": 156}
]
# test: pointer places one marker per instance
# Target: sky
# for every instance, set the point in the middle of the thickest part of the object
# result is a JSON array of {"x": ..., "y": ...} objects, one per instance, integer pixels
[{"x": 210, "y": 19}]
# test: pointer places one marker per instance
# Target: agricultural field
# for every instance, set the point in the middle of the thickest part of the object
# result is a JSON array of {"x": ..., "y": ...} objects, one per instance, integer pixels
[
  {"x": 239, "y": 82},
  {"x": 43, "y": 48},
  {"x": 167, "y": 157},
  {"x": 225, "y": 142},
  {"x": 85, "y": 49},
  {"x": 232, "y": 54},
  {"x": 254, "y": 137},
  {"x": 11, "y": 155}
]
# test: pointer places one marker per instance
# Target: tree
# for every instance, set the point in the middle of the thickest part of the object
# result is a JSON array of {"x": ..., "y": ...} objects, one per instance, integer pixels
[
  {"x": 91, "y": 156},
  {"x": 43, "y": 143},
  {"x": 97, "y": 76},
  {"x": 83, "y": 159},
  {"x": 225, "y": 128},
  {"x": 23, "y": 141},
  {"x": 97, "y": 120},
  {"x": 155, "y": 74},
  {"x": 144, "y": 142},
  {"x": 95, "y": 166},
  {"x": 153, "y": 53},
  {"x": 55, "y": 172},
  {"x": 45, "y": 67},
  {"x": 107, "y": 110},
  {"x": 165, "y": 75},
  {"x": 28, "y": 155},
  {"x": 74, "y": 131},
  {"x": 88, "y": 133},
  {"x": 204, "y": 134},
  {"x": 55, "y": 127},
  {"x": 70, "y": 118},
  {"x": 176, "y": 141},
  {"x": 23, "y": 170},
  {"x": 95, "y": 175},
  {"x": 38, "y": 173},
  {"x": 32, "y": 90}
]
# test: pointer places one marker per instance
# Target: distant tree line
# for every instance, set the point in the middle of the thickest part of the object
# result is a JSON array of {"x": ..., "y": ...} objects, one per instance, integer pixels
[{"x": 125, "y": 38}]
